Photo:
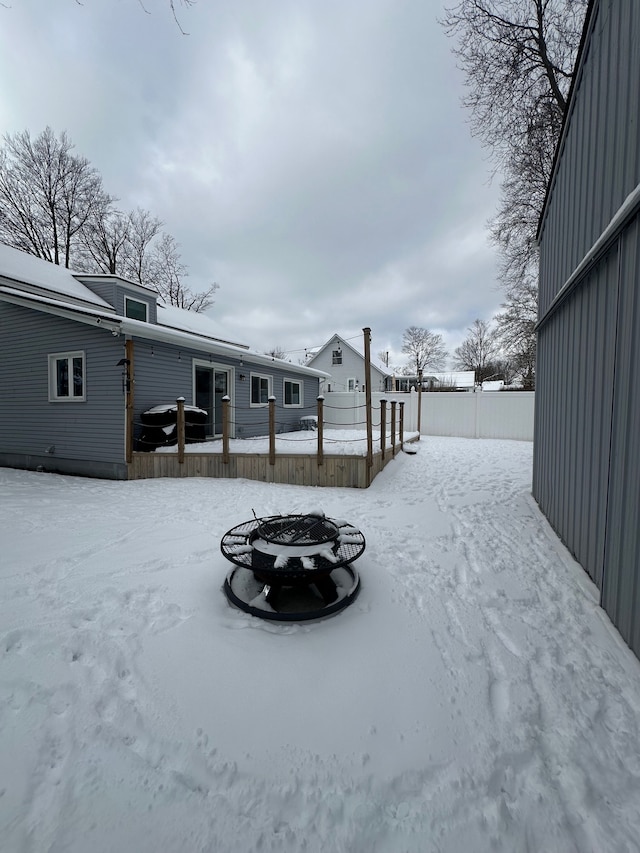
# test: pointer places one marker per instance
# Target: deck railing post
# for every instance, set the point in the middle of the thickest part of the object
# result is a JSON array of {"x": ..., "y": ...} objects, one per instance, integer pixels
[
  {"x": 320, "y": 429},
  {"x": 129, "y": 401},
  {"x": 272, "y": 430},
  {"x": 394, "y": 403},
  {"x": 401, "y": 424},
  {"x": 383, "y": 427},
  {"x": 225, "y": 429},
  {"x": 419, "y": 402},
  {"x": 180, "y": 428},
  {"x": 367, "y": 394}
]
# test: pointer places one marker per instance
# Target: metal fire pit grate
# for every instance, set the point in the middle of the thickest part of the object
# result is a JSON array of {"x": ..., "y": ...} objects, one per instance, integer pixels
[
  {"x": 297, "y": 529},
  {"x": 288, "y": 564}
]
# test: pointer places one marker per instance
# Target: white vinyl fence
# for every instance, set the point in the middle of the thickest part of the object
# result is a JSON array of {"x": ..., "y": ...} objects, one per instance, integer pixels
[{"x": 483, "y": 414}]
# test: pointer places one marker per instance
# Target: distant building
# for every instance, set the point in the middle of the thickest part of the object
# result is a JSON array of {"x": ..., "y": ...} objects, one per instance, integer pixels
[
  {"x": 460, "y": 380},
  {"x": 344, "y": 360}
]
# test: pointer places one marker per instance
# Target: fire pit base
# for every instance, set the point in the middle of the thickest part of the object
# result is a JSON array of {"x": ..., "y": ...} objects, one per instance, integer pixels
[{"x": 290, "y": 603}]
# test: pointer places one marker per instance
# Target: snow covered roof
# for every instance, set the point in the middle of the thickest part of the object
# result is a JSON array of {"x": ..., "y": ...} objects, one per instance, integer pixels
[
  {"x": 55, "y": 290},
  {"x": 190, "y": 321},
  {"x": 21, "y": 268}
]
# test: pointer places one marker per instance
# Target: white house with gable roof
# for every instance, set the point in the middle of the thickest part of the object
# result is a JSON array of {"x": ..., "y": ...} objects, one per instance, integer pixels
[{"x": 344, "y": 360}]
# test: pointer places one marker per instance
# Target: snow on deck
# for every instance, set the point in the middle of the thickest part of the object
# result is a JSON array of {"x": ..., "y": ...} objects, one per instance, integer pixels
[{"x": 474, "y": 698}]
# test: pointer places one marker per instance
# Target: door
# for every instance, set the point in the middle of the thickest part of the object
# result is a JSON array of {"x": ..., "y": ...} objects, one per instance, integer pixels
[{"x": 211, "y": 385}]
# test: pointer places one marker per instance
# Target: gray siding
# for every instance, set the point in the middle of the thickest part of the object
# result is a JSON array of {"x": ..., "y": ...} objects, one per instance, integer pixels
[
  {"x": 114, "y": 293},
  {"x": 587, "y": 420},
  {"x": 574, "y": 393},
  {"x": 164, "y": 372},
  {"x": 621, "y": 590},
  {"x": 29, "y": 424}
]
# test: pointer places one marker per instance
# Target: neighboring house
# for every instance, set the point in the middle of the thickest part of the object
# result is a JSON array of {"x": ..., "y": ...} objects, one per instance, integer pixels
[
  {"x": 460, "y": 380},
  {"x": 586, "y": 474},
  {"x": 76, "y": 349},
  {"x": 344, "y": 361}
]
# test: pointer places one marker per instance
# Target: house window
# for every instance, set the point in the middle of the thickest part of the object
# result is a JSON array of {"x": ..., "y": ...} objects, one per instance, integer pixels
[
  {"x": 352, "y": 384},
  {"x": 135, "y": 309},
  {"x": 260, "y": 389},
  {"x": 336, "y": 356},
  {"x": 66, "y": 377},
  {"x": 292, "y": 392}
]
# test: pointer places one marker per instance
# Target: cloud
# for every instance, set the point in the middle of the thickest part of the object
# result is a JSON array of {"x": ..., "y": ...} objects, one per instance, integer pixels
[{"x": 312, "y": 158}]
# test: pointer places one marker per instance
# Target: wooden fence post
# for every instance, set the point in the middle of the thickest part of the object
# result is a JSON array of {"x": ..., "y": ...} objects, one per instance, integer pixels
[
  {"x": 272, "y": 430},
  {"x": 393, "y": 427},
  {"x": 180, "y": 428},
  {"x": 129, "y": 399},
  {"x": 383, "y": 427},
  {"x": 225, "y": 429},
  {"x": 419, "y": 402},
  {"x": 401, "y": 424},
  {"x": 320, "y": 429},
  {"x": 367, "y": 394}
]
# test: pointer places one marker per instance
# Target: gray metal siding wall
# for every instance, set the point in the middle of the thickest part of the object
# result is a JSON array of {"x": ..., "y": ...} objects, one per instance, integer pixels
[
  {"x": 29, "y": 423},
  {"x": 621, "y": 590},
  {"x": 600, "y": 158},
  {"x": 164, "y": 372},
  {"x": 574, "y": 392},
  {"x": 587, "y": 424}
]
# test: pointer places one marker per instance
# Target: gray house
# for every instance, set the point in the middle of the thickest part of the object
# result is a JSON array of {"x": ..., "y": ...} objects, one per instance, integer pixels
[
  {"x": 344, "y": 361},
  {"x": 586, "y": 475},
  {"x": 85, "y": 356}
]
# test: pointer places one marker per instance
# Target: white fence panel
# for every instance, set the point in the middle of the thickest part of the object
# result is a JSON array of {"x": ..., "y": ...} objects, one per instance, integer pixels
[
  {"x": 485, "y": 414},
  {"x": 505, "y": 414}
]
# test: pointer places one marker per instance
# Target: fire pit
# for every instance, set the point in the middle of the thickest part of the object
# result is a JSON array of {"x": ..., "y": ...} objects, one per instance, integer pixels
[{"x": 292, "y": 567}]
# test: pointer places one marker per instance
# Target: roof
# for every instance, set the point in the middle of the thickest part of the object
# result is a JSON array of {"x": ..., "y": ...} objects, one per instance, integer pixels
[
  {"x": 190, "y": 321},
  {"x": 55, "y": 290},
  {"x": 357, "y": 347},
  {"x": 47, "y": 277}
]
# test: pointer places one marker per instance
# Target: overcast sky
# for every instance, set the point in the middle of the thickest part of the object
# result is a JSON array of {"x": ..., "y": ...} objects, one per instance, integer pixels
[{"x": 310, "y": 156}]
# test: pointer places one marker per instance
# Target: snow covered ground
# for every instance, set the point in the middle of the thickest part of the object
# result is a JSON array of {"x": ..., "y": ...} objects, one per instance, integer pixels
[
  {"x": 341, "y": 442},
  {"x": 473, "y": 698}
]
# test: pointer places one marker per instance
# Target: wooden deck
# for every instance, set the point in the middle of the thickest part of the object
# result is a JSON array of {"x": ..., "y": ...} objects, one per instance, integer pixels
[{"x": 294, "y": 469}]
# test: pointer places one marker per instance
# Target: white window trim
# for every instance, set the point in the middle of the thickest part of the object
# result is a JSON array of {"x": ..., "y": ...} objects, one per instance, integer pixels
[
  {"x": 231, "y": 372},
  {"x": 213, "y": 365},
  {"x": 352, "y": 379},
  {"x": 138, "y": 302},
  {"x": 53, "y": 358},
  {"x": 298, "y": 382},
  {"x": 269, "y": 387}
]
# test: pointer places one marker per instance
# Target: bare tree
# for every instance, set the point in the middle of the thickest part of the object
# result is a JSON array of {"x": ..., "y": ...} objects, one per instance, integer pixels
[
  {"x": 47, "y": 195},
  {"x": 103, "y": 243},
  {"x": 52, "y": 205},
  {"x": 425, "y": 349},
  {"x": 516, "y": 329},
  {"x": 142, "y": 231},
  {"x": 166, "y": 274},
  {"x": 276, "y": 352},
  {"x": 518, "y": 58},
  {"x": 478, "y": 351}
]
